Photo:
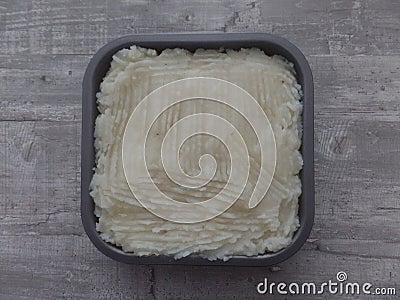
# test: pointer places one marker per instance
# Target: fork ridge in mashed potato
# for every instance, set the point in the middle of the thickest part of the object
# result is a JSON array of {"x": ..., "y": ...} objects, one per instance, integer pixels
[{"x": 268, "y": 227}]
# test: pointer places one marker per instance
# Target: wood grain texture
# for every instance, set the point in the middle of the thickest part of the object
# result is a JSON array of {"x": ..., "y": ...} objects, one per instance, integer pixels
[
  {"x": 354, "y": 51},
  {"x": 344, "y": 27},
  {"x": 344, "y": 85}
]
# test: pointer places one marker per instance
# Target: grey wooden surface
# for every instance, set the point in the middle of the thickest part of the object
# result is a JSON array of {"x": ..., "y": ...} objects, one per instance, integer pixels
[{"x": 354, "y": 51}]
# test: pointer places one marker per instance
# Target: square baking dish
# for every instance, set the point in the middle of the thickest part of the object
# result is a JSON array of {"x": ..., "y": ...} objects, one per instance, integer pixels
[{"x": 270, "y": 44}]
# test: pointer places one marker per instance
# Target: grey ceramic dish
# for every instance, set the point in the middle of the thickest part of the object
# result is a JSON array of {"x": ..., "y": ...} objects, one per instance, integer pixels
[{"x": 270, "y": 44}]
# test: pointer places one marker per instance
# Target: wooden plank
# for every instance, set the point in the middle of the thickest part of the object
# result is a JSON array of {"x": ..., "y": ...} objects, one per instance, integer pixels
[
  {"x": 356, "y": 85},
  {"x": 34, "y": 158},
  {"x": 357, "y": 187},
  {"x": 66, "y": 267},
  {"x": 317, "y": 27},
  {"x": 41, "y": 87},
  {"x": 336, "y": 27},
  {"x": 49, "y": 267},
  {"x": 306, "y": 266},
  {"x": 39, "y": 178},
  {"x": 366, "y": 85},
  {"x": 50, "y": 27}
]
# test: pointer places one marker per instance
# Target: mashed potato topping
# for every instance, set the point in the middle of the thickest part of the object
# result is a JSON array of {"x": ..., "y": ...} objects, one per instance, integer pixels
[{"x": 136, "y": 72}]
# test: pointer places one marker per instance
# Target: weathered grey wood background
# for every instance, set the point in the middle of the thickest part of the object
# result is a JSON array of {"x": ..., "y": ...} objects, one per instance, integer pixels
[{"x": 354, "y": 50}]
